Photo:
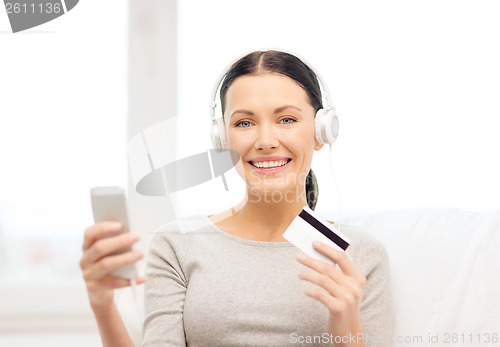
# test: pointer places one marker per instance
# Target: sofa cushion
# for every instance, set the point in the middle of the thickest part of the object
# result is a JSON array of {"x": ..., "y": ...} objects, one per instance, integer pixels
[{"x": 445, "y": 266}]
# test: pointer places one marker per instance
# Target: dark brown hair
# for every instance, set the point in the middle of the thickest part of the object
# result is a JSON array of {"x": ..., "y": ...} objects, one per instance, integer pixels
[{"x": 288, "y": 65}]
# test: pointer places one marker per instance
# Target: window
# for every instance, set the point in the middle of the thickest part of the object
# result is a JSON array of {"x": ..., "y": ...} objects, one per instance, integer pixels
[{"x": 62, "y": 130}]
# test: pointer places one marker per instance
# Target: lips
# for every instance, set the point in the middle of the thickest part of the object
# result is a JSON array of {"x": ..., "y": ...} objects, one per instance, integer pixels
[
  {"x": 269, "y": 164},
  {"x": 277, "y": 164}
]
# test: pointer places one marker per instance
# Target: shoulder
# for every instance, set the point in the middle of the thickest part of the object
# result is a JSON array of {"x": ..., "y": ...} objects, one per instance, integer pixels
[
  {"x": 366, "y": 251},
  {"x": 361, "y": 239},
  {"x": 175, "y": 235},
  {"x": 184, "y": 227}
]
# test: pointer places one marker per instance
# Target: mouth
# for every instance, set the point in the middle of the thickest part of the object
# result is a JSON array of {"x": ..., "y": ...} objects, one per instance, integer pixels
[{"x": 271, "y": 164}]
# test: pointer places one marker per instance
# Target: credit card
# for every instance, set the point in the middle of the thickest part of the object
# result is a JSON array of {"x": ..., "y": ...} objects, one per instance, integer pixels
[{"x": 308, "y": 227}]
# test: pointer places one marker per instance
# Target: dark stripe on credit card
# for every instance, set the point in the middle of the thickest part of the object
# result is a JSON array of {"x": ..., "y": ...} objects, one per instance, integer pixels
[{"x": 324, "y": 230}]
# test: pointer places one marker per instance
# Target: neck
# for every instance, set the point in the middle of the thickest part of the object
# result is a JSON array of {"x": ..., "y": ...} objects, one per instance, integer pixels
[{"x": 266, "y": 219}]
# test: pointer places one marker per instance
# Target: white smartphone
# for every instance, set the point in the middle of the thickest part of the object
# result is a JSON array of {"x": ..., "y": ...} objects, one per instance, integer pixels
[{"x": 110, "y": 204}]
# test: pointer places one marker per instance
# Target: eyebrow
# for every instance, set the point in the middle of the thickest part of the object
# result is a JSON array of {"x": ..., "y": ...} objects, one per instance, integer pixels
[{"x": 278, "y": 110}]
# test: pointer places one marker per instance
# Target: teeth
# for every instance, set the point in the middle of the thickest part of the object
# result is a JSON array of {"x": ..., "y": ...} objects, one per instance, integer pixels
[{"x": 269, "y": 163}]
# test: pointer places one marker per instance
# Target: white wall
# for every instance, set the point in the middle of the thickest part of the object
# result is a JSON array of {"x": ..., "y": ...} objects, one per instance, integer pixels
[{"x": 415, "y": 85}]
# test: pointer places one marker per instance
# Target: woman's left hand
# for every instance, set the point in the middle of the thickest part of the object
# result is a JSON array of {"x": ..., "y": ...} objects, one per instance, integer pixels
[{"x": 341, "y": 291}]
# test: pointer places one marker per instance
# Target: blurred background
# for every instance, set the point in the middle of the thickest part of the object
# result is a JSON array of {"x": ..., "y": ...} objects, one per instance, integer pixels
[{"x": 415, "y": 85}]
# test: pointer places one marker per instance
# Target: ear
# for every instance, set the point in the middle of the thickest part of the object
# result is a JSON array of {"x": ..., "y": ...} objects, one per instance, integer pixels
[{"x": 318, "y": 145}]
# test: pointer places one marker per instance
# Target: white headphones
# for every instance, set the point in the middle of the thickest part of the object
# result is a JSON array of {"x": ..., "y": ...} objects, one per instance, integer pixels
[{"x": 326, "y": 121}]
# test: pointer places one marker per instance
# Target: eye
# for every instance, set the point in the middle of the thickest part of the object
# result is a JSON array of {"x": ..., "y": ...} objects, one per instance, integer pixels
[
  {"x": 243, "y": 124},
  {"x": 288, "y": 120}
]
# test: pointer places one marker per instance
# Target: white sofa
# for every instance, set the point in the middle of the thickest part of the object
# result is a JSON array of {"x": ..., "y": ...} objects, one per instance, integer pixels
[{"x": 445, "y": 266}]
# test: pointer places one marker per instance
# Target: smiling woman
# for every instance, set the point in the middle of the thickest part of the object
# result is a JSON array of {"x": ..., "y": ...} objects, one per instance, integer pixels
[
  {"x": 261, "y": 289},
  {"x": 272, "y": 114}
]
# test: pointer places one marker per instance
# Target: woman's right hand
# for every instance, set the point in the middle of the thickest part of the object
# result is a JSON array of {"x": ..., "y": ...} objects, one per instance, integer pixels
[{"x": 97, "y": 262}]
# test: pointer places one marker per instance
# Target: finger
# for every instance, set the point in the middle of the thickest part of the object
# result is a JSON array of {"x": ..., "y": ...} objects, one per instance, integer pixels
[
  {"x": 338, "y": 256},
  {"x": 348, "y": 292},
  {"x": 107, "y": 246},
  {"x": 321, "y": 267},
  {"x": 140, "y": 279},
  {"x": 108, "y": 282},
  {"x": 107, "y": 264},
  {"x": 112, "y": 282},
  {"x": 324, "y": 282},
  {"x": 98, "y": 231},
  {"x": 332, "y": 303}
]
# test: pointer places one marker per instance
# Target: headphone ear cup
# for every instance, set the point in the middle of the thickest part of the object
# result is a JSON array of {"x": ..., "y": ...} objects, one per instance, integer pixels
[
  {"x": 326, "y": 125},
  {"x": 219, "y": 135},
  {"x": 214, "y": 133}
]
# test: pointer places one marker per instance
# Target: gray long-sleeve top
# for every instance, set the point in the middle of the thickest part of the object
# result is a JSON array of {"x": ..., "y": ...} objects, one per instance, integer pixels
[{"x": 206, "y": 287}]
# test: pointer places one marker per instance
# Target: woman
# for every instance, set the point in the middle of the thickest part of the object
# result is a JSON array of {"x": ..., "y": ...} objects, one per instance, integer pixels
[{"x": 231, "y": 279}]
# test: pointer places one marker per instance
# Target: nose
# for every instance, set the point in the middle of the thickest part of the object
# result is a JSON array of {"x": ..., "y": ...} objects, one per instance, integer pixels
[{"x": 266, "y": 137}]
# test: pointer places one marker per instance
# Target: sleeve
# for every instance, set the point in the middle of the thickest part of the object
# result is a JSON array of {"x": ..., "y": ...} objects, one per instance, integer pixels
[
  {"x": 377, "y": 315},
  {"x": 165, "y": 290}
]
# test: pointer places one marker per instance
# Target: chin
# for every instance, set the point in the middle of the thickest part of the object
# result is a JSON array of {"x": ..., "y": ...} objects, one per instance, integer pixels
[{"x": 273, "y": 193}]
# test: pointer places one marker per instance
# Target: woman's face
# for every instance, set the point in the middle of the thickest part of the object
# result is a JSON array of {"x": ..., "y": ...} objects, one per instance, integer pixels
[{"x": 270, "y": 123}]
